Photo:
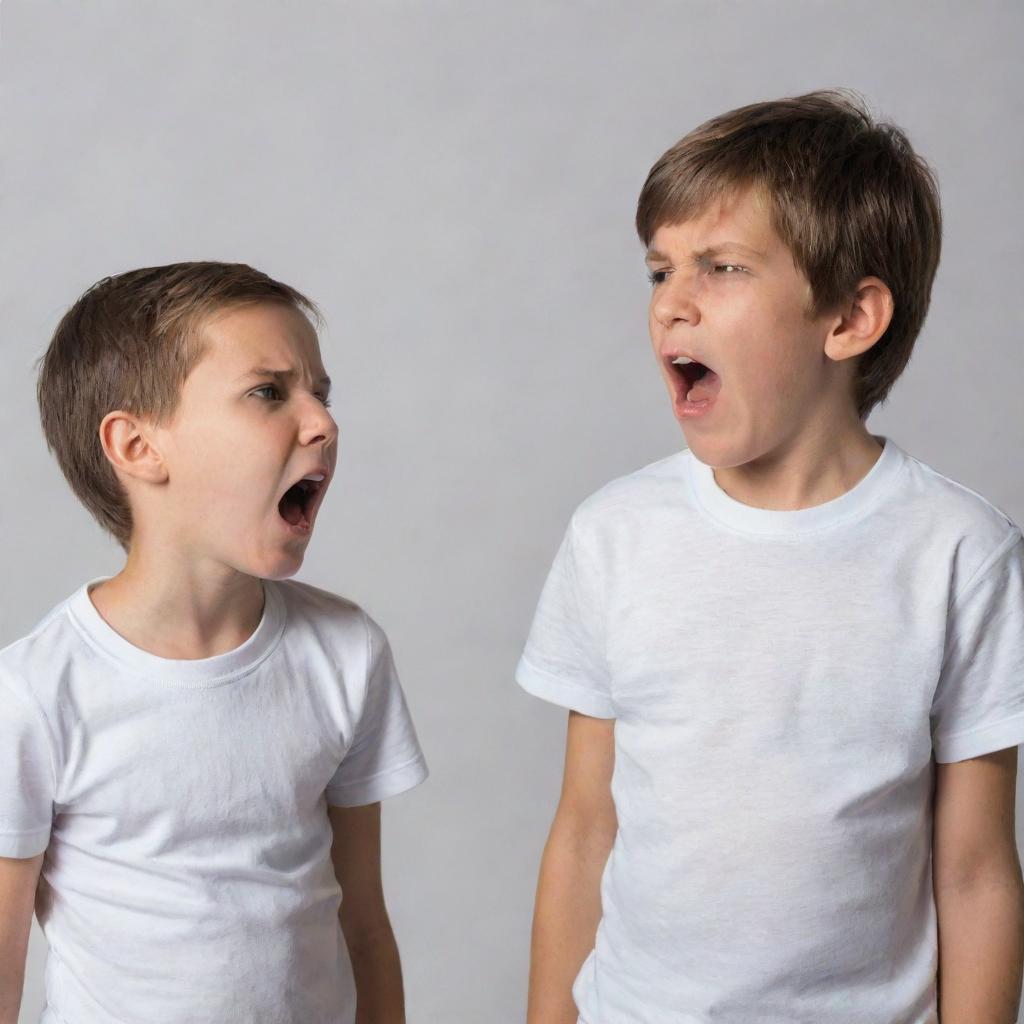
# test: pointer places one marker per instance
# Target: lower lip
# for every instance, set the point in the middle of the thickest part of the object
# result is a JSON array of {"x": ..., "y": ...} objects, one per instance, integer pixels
[
  {"x": 688, "y": 410},
  {"x": 694, "y": 410},
  {"x": 296, "y": 529}
]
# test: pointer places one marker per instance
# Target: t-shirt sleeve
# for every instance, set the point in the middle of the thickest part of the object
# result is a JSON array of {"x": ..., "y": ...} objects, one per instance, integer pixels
[
  {"x": 564, "y": 659},
  {"x": 384, "y": 758},
  {"x": 978, "y": 705},
  {"x": 26, "y": 774}
]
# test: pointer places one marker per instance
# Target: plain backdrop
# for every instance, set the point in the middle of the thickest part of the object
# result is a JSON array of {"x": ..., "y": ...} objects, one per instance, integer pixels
[{"x": 455, "y": 184}]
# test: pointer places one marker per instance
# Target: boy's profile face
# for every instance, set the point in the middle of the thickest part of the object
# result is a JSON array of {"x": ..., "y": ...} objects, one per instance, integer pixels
[
  {"x": 240, "y": 438},
  {"x": 726, "y": 293}
]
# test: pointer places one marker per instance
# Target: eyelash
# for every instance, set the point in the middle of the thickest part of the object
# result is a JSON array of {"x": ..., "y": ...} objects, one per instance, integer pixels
[
  {"x": 658, "y": 276},
  {"x": 274, "y": 387}
]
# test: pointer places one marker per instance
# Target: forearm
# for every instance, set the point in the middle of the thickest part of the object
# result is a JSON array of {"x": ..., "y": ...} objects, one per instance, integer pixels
[
  {"x": 377, "y": 970},
  {"x": 981, "y": 952},
  {"x": 19, "y": 878},
  {"x": 12, "y": 981},
  {"x": 565, "y": 920},
  {"x": 14, "y": 929},
  {"x": 12, "y": 975}
]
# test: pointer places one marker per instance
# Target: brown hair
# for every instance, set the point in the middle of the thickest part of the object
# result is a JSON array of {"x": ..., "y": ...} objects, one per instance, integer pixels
[
  {"x": 128, "y": 343},
  {"x": 848, "y": 196}
]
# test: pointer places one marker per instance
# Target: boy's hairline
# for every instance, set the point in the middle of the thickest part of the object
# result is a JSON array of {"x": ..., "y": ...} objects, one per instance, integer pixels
[{"x": 724, "y": 190}]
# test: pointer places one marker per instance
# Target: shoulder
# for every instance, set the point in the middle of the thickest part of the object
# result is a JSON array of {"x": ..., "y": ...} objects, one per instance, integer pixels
[
  {"x": 631, "y": 497},
  {"x": 34, "y": 674},
  {"x": 329, "y": 619},
  {"x": 37, "y": 657},
  {"x": 968, "y": 526},
  {"x": 304, "y": 599},
  {"x": 968, "y": 509}
]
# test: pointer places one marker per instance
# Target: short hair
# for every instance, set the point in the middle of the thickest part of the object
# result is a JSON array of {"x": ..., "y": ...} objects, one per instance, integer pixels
[
  {"x": 847, "y": 195},
  {"x": 128, "y": 343}
]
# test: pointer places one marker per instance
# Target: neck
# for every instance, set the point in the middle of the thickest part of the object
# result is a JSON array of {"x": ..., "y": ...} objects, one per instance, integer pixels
[
  {"x": 807, "y": 470},
  {"x": 180, "y": 610}
]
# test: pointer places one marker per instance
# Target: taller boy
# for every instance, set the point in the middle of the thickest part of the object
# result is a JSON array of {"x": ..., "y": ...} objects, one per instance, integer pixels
[{"x": 780, "y": 646}]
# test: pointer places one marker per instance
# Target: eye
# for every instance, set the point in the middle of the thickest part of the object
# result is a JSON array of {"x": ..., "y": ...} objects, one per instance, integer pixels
[
  {"x": 273, "y": 387},
  {"x": 729, "y": 268},
  {"x": 656, "y": 276}
]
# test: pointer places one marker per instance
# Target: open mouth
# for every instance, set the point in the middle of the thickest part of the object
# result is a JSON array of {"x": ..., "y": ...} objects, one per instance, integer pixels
[
  {"x": 698, "y": 382},
  {"x": 299, "y": 503}
]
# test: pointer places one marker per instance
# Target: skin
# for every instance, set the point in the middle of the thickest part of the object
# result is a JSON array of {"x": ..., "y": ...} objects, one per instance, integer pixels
[
  {"x": 18, "y": 879},
  {"x": 785, "y": 435},
  {"x": 567, "y": 908},
  {"x": 204, "y": 490},
  {"x": 979, "y": 890},
  {"x": 191, "y": 585},
  {"x": 784, "y": 432},
  {"x": 355, "y": 853}
]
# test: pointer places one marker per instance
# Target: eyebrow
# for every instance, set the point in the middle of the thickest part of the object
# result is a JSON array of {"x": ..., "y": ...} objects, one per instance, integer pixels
[
  {"x": 714, "y": 250},
  {"x": 287, "y": 375}
]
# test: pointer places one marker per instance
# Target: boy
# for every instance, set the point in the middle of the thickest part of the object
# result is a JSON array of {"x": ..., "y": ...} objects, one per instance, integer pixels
[
  {"x": 774, "y": 644},
  {"x": 193, "y": 751}
]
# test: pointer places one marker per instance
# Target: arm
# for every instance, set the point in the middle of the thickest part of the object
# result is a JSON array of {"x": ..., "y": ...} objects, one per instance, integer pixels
[
  {"x": 18, "y": 880},
  {"x": 979, "y": 893},
  {"x": 355, "y": 852},
  {"x": 568, "y": 903}
]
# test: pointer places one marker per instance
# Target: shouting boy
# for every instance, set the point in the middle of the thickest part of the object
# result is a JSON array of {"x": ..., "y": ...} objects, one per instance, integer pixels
[
  {"x": 792, "y": 653},
  {"x": 193, "y": 751}
]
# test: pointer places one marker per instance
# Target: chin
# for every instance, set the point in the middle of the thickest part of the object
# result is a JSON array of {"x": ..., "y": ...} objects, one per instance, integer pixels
[
  {"x": 283, "y": 568},
  {"x": 275, "y": 565},
  {"x": 716, "y": 452},
  {"x": 704, "y": 449}
]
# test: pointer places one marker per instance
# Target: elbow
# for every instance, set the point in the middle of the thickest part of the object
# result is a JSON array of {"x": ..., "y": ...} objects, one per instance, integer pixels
[
  {"x": 366, "y": 930},
  {"x": 586, "y": 832}
]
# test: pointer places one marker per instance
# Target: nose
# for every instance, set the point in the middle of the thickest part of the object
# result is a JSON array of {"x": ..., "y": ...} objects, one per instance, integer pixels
[
  {"x": 318, "y": 426},
  {"x": 675, "y": 299}
]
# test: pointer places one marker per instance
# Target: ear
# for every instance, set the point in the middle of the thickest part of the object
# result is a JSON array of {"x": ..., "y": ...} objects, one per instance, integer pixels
[
  {"x": 861, "y": 321},
  {"x": 127, "y": 442}
]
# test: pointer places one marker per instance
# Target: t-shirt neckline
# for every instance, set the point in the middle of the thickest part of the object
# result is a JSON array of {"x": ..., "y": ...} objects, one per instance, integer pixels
[
  {"x": 720, "y": 506},
  {"x": 192, "y": 673}
]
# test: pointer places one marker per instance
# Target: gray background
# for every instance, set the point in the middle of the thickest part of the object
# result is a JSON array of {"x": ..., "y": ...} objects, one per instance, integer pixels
[{"x": 455, "y": 184}]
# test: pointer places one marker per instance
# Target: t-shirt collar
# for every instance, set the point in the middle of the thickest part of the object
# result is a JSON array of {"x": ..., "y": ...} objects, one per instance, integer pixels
[
  {"x": 191, "y": 673},
  {"x": 775, "y": 522}
]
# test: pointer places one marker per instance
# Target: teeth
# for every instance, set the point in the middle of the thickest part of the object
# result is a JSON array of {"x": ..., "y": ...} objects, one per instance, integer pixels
[
  {"x": 682, "y": 360},
  {"x": 314, "y": 476}
]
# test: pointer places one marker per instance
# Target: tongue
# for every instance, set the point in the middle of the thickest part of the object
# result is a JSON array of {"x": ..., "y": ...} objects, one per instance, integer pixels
[{"x": 706, "y": 388}]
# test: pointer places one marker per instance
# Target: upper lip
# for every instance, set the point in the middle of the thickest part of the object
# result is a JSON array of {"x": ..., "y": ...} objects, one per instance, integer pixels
[
  {"x": 324, "y": 471},
  {"x": 318, "y": 485},
  {"x": 669, "y": 356}
]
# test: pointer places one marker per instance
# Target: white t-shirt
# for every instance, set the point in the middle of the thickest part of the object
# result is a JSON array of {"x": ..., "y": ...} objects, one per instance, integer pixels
[
  {"x": 780, "y": 681},
  {"x": 182, "y": 806}
]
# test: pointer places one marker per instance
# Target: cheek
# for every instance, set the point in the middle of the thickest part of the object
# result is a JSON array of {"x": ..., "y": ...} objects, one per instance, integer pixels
[
  {"x": 226, "y": 465},
  {"x": 772, "y": 348}
]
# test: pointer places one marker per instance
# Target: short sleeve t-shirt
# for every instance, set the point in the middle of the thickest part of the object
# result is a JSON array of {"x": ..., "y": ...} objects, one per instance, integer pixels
[
  {"x": 182, "y": 806},
  {"x": 782, "y": 683}
]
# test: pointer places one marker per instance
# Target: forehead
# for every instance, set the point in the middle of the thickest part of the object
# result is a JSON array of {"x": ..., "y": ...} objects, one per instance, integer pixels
[
  {"x": 259, "y": 334},
  {"x": 738, "y": 220}
]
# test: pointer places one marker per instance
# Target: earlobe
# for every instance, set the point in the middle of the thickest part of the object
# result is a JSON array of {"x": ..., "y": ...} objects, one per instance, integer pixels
[
  {"x": 126, "y": 443},
  {"x": 864, "y": 320}
]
